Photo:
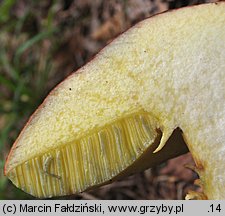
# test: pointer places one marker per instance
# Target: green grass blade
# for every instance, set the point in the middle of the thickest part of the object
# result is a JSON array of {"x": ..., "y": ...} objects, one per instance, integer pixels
[
  {"x": 8, "y": 83},
  {"x": 7, "y": 65},
  {"x": 32, "y": 41},
  {"x": 5, "y": 8}
]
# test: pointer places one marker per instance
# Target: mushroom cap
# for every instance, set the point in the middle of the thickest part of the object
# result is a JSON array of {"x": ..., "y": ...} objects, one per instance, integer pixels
[{"x": 164, "y": 73}]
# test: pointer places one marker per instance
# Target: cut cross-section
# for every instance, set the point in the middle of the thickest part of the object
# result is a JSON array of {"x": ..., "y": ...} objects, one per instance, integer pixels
[
  {"x": 106, "y": 120},
  {"x": 92, "y": 160}
]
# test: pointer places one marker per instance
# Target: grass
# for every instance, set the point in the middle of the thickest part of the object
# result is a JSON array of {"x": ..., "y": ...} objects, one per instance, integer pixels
[{"x": 24, "y": 71}]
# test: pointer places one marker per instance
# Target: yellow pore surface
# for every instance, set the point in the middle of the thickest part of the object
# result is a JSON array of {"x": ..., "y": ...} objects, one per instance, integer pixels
[{"x": 91, "y": 160}]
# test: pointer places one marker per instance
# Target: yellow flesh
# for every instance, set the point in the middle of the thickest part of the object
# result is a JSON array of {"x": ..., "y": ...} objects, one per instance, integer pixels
[
  {"x": 89, "y": 161},
  {"x": 169, "y": 68}
]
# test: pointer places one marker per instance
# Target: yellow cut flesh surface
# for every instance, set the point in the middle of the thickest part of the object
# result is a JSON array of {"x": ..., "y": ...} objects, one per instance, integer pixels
[
  {"x": 89, "y": 161},
  {"x": 171, "y": 67}
]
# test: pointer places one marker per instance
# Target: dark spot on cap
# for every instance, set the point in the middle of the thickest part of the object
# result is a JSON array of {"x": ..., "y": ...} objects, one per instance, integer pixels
[{"x": 70, "y": 89}]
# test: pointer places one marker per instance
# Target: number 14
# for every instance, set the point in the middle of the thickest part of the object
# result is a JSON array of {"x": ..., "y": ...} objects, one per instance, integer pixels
[{"x": 215, "y": 208}]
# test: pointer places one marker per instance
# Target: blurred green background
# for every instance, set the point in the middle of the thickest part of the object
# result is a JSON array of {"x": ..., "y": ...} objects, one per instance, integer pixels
[{"x": 42, "y": 42}]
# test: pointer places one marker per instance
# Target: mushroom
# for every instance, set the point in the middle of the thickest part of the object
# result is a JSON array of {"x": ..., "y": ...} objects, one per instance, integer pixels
[{"x": 156, "y": 90}]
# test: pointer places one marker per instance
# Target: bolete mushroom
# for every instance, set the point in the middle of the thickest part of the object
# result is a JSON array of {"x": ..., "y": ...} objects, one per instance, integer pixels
[{"x": 115, "y": 115}]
